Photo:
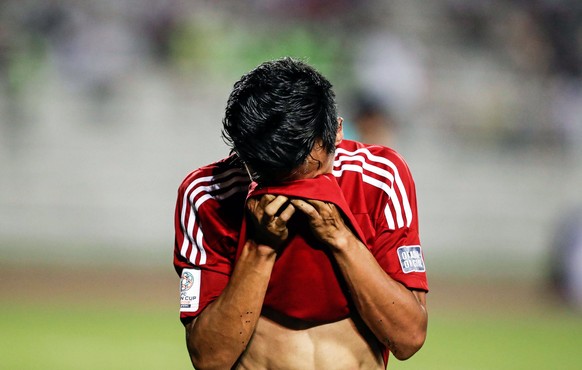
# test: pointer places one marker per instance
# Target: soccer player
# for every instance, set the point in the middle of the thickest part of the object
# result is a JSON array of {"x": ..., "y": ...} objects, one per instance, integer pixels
[{"x": 300, "y": 250}]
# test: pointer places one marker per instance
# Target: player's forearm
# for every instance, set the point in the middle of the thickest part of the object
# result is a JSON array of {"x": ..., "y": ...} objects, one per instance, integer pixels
[
  {"x": 223, "y": 330},
  {"x": 393, "y": 313}
]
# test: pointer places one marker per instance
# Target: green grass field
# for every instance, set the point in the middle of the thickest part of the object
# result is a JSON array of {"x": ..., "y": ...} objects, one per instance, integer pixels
[
  {"x": 499, "y": 342},
  {"x": 78, "y": 337},
  {"x": 131, "y": 322}
]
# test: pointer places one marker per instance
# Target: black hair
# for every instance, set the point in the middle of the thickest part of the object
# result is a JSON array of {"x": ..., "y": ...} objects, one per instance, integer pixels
[{"x": 275, "y": 114}]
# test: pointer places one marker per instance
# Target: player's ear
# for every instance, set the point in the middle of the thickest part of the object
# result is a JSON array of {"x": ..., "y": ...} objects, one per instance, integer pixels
[{"x": 339, "y": 136}]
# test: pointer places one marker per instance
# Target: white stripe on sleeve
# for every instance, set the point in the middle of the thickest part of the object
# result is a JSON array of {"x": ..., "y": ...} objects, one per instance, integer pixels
[
  {"x": 190, "y": 194},
  {"x": 368, "y": 165}
]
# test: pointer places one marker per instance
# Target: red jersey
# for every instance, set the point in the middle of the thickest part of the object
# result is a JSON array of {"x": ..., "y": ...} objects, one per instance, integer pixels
[
  {"x": 378, "y": 197},
  {"x": 376, "y": 185},
  {"x": 305, "y": 282}
]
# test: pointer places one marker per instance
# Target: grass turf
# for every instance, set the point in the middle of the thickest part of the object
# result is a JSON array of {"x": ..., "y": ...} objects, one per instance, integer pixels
[
  {"x": 71, "y": 336},
  {"x": 498, "y": 341},
  {"x": 84, "y": 338}
]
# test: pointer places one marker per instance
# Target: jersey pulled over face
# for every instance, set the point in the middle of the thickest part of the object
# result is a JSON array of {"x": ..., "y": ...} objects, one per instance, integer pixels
[{"x": 304, "y": 283}]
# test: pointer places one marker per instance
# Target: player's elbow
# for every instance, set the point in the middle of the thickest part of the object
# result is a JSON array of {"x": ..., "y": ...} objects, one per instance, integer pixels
[
  {"x": 198, "y": 361},
  {"x": 407, "y": 349},
  {"x": 409, "y": 344},
  {"x": 203, "y": 364},
  {"x": 211, "y": 361},
  {"x": 209, "y": 355}
]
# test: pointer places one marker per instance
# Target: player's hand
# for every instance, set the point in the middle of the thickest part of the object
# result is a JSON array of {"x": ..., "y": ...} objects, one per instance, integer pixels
[
  {"x": 325, "y": 221},
  {"x": 269, "y": 215}
]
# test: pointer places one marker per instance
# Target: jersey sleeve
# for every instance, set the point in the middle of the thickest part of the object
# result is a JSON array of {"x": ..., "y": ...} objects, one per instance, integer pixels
[
  {"x": 204, "y": 246},
  {"x": 397, "y": 246}
]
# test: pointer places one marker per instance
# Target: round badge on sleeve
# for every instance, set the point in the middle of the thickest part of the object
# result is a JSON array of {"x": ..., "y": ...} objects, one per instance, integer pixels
[{"x": 190, "y": 290}]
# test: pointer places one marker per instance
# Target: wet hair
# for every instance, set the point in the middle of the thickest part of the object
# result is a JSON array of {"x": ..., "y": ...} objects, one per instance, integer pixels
[{"x": 275, "y": 114}]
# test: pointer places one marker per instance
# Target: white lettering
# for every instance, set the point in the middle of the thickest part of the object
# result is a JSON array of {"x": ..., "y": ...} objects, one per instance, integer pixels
[{"x": 411, "y": 259}]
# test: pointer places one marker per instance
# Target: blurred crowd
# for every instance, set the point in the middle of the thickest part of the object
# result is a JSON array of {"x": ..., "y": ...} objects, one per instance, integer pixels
[
  {"x": 400, "y": 59},
  {"x": 90, "y": 43},
  {"x": 541, "y": 41}
]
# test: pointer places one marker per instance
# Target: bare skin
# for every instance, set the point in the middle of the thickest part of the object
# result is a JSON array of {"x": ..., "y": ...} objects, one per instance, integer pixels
[
  {"x": 338, "y": 345},
  {"x": 232, "y": 333}
]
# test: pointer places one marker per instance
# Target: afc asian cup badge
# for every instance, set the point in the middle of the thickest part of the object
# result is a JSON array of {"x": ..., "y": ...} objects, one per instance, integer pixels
[{"x": 186, "y": 282}]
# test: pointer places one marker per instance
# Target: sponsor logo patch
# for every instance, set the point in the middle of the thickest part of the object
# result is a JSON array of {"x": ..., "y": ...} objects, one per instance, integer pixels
[
  {"x": 411, "y": 259},
  {"x": 190, "y": 290}
]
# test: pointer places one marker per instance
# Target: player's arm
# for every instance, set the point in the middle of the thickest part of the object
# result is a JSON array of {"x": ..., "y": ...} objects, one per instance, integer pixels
[
  {"x": 222, "y": 331},
  {"x": 220, "y": 334},
  {"x": 396, "y": 315}
]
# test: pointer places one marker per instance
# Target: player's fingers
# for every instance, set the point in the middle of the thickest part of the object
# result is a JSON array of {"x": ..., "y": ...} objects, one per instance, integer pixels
[
  {"x": 305, "y": 207},
  {"x": 323, "y": 207},
  {"x": 257, "y": 204},
  {"x": 287, "y": 213},
  {"x": 255, "y": 209},
  {"x": 265, "y": 200},
  {"x": 317, "y": 204},
  {"x": 252, "y": 204},
  {"x": 273, "y": 207}
]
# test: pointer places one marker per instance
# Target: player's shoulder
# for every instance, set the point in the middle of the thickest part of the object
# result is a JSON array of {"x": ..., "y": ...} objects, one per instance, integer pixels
[
  {"x": 222, "y": 176},
  {"x": 370, "y": 155}
]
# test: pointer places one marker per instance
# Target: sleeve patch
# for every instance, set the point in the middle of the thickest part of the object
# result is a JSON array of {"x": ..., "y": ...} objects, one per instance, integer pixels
[
  {"x": 190, "y": 290},
  {"x": 411, "y": 259}
]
